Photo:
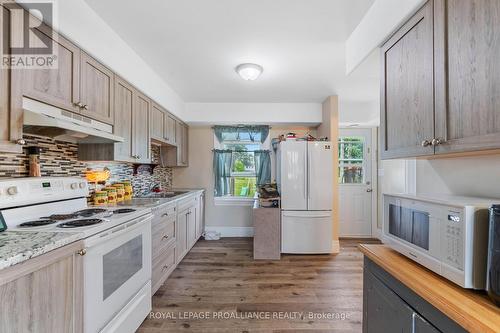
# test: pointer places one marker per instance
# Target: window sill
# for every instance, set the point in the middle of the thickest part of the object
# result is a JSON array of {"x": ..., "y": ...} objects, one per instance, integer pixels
[{"x": 233, "y": 201}]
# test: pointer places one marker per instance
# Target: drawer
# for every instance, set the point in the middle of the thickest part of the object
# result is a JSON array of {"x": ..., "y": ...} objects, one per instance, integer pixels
[
  {"x": 166, "y": 212},
  {"x": 162, "y": 266},
  {"x": 162, "y": 236},
  {"x": 186, "y": 203}
]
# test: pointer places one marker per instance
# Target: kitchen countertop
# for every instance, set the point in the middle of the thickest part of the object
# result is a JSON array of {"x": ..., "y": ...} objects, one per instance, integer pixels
[
  {"x": 472, "y": 310},
  {"x": 16, "y": 247}
]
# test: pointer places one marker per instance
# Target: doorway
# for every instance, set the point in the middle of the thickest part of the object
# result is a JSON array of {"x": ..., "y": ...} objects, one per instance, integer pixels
[{"x": 356, "y": 186}]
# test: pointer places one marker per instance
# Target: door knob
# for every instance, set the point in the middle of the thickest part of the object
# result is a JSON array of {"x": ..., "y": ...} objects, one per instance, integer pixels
[
  {"x": 82, "y": 252},
  {"x": 426, "y": 143},
  {"x": 21, "y": 142}
]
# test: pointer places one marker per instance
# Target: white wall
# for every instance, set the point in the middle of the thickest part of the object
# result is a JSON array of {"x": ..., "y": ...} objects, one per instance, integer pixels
[
  {"x": 379, "y": 22},
  {"x": 306, "y": 114},
  {"x": 361, "y": 113},
  {"x": 469, "y": 176},
  {"x": 79, "y": 23}
]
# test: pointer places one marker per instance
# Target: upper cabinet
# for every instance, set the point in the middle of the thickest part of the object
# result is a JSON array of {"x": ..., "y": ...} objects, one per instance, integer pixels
[
  {"x": 157, "y": 123},
  {"x": 467, "y": 53},
  {"x": 177, "y": 156},
  {"x": 170, "y": 127},
  {"x": 141, "y": 146},
  {"x": 96, "y": 90},
  {"x": 440, "y": 81},
  {"x": 59, "y": 87}
]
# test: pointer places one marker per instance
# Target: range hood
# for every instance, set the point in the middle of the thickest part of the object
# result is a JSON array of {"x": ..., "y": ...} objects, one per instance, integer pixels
[{"x": 46, "y": 120}]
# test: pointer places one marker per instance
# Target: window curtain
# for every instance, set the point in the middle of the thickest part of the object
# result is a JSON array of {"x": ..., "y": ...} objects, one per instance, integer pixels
[
  {"x": 262, "y": 166},
  {"x": 244, "y": 133},
  {"x": 222, "y": 172}
]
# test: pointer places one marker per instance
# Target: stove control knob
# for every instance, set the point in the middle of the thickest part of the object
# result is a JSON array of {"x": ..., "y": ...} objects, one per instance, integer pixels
[
  {"x": 82, "y": 185},
  {"x": 13, "y": 190},
  {"x": 74, "y": 186}
]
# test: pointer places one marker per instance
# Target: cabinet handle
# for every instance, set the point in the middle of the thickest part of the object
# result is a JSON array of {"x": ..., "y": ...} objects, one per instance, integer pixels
[
  {"x": 437, "y": 141},
  {"x": 86, "y": 107},
  {"x": 426, "y": 143},
  {"x": 21, "y": 142},
  {"x": 78, "y": 104},
  {"x": 165, "y": 237},
  {"x": 413, "y": 323},
  {"x": 166, "y": 214},
  {"x": 164, "y": 268},
  {"x": 82, "y": 252}
]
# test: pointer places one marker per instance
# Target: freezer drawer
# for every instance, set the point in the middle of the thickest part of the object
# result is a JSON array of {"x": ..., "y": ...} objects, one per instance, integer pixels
[{"x": 306, "y": 232}]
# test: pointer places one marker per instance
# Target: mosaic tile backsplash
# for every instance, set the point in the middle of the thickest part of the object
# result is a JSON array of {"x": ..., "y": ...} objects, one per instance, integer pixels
[{"x": 60, "y": 158}]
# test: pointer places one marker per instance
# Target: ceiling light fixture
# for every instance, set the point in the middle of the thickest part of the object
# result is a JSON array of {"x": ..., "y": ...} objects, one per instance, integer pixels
[{"x": 249, "y": 72}]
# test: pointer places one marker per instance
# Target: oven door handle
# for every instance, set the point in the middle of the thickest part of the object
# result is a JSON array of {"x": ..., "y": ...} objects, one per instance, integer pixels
[{"x": 116, "y": 231}]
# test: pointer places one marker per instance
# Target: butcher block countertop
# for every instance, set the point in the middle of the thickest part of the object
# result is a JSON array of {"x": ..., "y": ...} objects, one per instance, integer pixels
[{"x": 470, "y": 309}]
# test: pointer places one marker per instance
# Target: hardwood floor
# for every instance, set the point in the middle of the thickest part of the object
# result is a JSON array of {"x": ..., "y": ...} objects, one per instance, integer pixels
[{"x": 218, "y": 287}]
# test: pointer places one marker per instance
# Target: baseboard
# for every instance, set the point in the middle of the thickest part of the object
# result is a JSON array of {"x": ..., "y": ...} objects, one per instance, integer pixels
[
  {"x": 232, "y": 231},
  {"x": 335, "y": 246}
]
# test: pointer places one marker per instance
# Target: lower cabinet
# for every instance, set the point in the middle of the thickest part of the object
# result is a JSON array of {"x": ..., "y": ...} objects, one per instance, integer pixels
[
  {"x": 175, "y": 229},
  {"x": 389, "y": 306},
  {"x": 44, "y": 294}
]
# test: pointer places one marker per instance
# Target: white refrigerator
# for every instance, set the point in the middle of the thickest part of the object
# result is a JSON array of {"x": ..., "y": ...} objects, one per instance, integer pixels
[{"x": 305, "y": 182}]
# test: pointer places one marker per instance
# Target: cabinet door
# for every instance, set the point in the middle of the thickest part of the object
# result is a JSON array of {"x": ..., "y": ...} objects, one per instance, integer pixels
[
  {"x": 140, "y": 141},
  {"x": 157, "y": 122},
  {"x": 383, "y": 310},
  {"x": 407, "y": 102},
  {"x": 200, "y": 214},
  {"x": 42, "y": 300},
  {"x": 58, "y": 87},
  {"x": 467, "y": 74},
  {"x": 181, "y": 239},
  {"x": 185, "y": 146},
  {"x": 191, "y": 227},
  {"x": 96, "y": 90},
  {"x": 170, "y": 126},
  {"x": 124, "y": 104}
]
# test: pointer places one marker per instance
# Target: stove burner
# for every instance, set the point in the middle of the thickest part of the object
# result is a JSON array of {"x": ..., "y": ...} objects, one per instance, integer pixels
[
  {"x": 91, "y": 211},
  {"x": 79, "y": 223},
  {"x": 60, "y": 217},
  {"x": 37, "y": 223},
  {"x": 123, "y": 211}
]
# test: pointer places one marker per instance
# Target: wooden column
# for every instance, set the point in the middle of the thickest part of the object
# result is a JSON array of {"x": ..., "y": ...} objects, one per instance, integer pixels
[{"x": 330, "y": 128}]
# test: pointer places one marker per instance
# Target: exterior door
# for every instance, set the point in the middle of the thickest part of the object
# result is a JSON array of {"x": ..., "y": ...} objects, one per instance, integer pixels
[
  {"x": 355, "y": 182},
  {"x": 293, "y": 180},
  {"x": 320, "y": 175}
]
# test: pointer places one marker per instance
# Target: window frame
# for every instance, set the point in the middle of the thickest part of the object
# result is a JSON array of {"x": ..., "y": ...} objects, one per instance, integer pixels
[{"x": 232, "y": 200}]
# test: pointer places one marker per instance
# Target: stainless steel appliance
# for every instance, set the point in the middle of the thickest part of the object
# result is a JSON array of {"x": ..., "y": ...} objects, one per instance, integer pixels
[
  {"x": 493, "y": 277},
  {"x": 446, "y": 234},
  {"x": 117, "y": 254},
  {"x": 305, "y": 182}
]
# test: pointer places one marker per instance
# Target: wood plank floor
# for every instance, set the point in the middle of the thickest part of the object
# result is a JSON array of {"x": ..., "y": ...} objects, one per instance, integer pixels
[{"x": 218, "y": 287}]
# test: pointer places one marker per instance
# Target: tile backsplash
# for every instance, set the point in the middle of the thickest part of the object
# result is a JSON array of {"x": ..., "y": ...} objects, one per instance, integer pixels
[{"x": 60, "y": 158}]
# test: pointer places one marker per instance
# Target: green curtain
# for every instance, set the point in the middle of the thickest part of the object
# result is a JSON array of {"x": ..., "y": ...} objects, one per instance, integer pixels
[
  {"x": 262, "y": 166},
  {"x": 222, "y": 172},
  {"x": 241, "y": 133}
]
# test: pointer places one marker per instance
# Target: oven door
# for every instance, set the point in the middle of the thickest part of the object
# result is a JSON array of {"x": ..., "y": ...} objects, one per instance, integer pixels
[
  {"x": 412, "y": 228},
  {"x": 117, "y": 266}
]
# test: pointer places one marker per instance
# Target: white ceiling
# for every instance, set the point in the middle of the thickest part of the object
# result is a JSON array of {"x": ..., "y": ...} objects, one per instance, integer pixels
[{"x": 194, "y": 46}]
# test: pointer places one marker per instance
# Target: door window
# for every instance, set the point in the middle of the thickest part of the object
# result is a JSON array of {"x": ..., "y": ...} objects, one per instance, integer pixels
[
  {"x": 351, "y": 160},
  {"x": 120, "y": 264}
]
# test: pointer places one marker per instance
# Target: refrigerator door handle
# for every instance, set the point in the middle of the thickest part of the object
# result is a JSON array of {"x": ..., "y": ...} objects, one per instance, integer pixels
[{"x": 306, "y": 173}]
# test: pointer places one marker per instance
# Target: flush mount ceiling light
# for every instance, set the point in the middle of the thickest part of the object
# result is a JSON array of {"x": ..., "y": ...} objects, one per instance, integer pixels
[{"x": 249, "y": 72}]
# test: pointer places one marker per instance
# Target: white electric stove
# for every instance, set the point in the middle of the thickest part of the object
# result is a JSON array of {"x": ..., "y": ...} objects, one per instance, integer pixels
[{"x": 117, "y": 245}]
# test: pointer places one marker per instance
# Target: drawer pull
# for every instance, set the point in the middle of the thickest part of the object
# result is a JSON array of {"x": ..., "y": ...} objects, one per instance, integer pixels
[
  {"x": 164, "y": 268},
  {"x": 165, "y": 237},
  {"x": 166, "y": 214}
]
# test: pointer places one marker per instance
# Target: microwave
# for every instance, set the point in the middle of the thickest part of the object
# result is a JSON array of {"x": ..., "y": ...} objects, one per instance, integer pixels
[{"x": 446, "y": 234}]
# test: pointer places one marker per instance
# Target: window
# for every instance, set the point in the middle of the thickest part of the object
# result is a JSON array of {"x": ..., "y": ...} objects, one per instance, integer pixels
[
  {"x": 351, "y": 160},
  {"x": 239, "y": 187},
  {"x": 243, "y": 177}
]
